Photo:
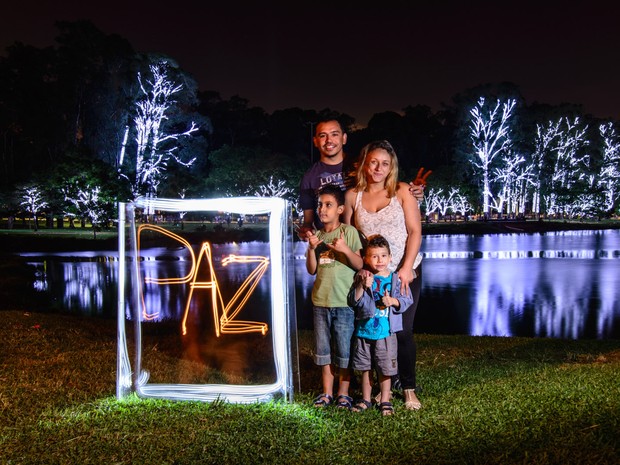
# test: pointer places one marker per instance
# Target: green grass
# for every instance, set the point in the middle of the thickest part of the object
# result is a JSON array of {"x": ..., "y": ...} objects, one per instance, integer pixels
[{"x": 485, "y": 400}]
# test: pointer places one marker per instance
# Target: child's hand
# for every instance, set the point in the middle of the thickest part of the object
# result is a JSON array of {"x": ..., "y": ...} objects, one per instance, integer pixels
[
  {"x": 313, "y": 240},
  {"x": 389, "y": 301},
  {"x": 339, "y": 244},
  {"x": 364, "y": 278}
]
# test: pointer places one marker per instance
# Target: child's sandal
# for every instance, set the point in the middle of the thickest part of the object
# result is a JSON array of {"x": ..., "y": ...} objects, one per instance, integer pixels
[
  {"x": 361, "y": 406},
  {"x": 386, "y": 409},
  {"x": 323, "y": 400},
  {"x": 343, "y": 401}
]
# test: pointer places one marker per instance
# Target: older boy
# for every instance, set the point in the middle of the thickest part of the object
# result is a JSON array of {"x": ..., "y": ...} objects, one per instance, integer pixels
[{"x": 334, "y": 256}]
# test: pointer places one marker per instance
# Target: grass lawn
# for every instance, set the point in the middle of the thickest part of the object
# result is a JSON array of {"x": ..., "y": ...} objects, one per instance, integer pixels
[{"x": 485, "y": 400}]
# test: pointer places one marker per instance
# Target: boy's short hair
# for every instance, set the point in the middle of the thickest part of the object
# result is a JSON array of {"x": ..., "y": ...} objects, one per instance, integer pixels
[
  {"x": 377, "y": 240},
  {"x": 332, "y": 189}
]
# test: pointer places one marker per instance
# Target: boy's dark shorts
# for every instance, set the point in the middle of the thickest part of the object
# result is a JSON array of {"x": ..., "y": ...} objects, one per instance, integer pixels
[{"x": 382, "y": 353}]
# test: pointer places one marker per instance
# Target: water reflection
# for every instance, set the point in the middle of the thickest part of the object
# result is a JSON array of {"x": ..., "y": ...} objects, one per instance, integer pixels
[
  {"x": 78, "y": 282},
  {"x": 563, "y": 285}
]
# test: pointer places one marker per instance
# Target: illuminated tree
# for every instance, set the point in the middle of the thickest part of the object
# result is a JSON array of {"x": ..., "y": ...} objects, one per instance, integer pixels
[
  {"x": 155, "y": 147},
  {"x": 442, "y": 203},
  {"x": 273, "y": 189},
  {"x": 32, "y": 201},
  {"x": 544, "y": 145},
  {"x": 609, "y": 176},
  {"x": 89, "y": 203},
  {"x": 490, "y": 138},
  {"x": 455, "y": 202},
  {"x": 569, "y": 167},
  {"x": 514, "y": 178},
  {"x": 241, "y": 171},
  {"x": 432, "y": 200},
  {"x": 459, "y": 203}
]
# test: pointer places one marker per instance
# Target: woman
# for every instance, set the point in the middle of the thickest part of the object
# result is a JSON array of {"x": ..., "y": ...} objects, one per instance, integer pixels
[{"x": 380, "y": 204}]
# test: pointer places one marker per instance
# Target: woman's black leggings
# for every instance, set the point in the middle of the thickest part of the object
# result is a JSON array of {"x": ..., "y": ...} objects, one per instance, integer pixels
[{"x": 406, "y": 342}]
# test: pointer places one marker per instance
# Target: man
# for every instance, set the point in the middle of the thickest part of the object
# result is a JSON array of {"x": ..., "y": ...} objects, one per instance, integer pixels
[{"x": 330, "y": 139}]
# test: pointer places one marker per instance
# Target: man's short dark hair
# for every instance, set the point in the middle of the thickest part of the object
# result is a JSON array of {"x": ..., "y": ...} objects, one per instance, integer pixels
[
  {"x": 332, "y": 189},
  {"x": 332, "y": 117}
]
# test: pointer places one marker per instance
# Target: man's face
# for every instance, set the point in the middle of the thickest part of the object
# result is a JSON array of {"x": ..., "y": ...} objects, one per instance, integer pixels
[{"x": 330, "y": 139}]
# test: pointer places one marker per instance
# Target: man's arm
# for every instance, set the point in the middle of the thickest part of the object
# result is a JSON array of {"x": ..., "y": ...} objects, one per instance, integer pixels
[
  {"x": 417, "y": 191},
  {"x": 416, "y": 187},
  {"x": 307, "y": 226}
]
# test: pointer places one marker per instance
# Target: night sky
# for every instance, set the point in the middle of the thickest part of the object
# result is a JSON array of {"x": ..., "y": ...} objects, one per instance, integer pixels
[{"x": 361, "y": 60}]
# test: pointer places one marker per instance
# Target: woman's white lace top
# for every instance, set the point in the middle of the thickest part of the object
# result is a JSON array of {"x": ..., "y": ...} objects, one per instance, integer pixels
[{"x": 389, "y": 222}]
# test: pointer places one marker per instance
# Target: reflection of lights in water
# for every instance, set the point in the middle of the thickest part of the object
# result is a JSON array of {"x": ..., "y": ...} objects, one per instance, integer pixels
[
  {"x": 40, "y": 279},
  {"x": 84, "y": 279},
  {"x": 83, "y": 286},
  {"x": 608, "y": 299},
  {"x": 519, "y": 254},
  {"x": 502, "y": 294},
  {"x": 278, "y": 212},
  {"x": 40, "y": 285},
  {"x": 445, "y": 279},
  {"x": 533, "y": 284}
]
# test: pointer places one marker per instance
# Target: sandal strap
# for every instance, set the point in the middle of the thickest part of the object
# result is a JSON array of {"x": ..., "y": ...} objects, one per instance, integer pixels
[
  {"x": 344, "y": 401},
  {"x": 386, "y": 406},
  {"x": 361, "y": 406},
  {"x": 323, "y": 399}
]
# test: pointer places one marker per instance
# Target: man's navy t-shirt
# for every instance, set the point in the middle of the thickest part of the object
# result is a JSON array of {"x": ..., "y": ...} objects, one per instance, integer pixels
[{"x": 317, "y": 176}]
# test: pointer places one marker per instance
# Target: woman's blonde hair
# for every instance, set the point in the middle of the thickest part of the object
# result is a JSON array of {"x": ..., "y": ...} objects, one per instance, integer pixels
[{"x": 391, "y": 181}]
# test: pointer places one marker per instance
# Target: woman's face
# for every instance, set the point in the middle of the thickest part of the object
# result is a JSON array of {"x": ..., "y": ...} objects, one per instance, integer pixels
[{"x": 378, "y": 165}]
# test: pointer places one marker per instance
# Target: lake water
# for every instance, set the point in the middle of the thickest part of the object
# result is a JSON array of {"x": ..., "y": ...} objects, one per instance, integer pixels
[{"x": 556, "y": 284}]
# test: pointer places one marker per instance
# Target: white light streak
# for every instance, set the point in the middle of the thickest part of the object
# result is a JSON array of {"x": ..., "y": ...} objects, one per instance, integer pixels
[{"x": 134, "y": 378}]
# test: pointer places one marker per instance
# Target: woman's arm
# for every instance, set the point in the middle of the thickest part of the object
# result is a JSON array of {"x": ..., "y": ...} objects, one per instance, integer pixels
[
  {"x": 349, "y": 204},
  {"x": 404, "y": 299},
  {"x": 413, "y": 222}
]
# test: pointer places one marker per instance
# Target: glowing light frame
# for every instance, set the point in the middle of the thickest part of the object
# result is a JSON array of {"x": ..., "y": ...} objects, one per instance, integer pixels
[{"x": 133, "y": 379}]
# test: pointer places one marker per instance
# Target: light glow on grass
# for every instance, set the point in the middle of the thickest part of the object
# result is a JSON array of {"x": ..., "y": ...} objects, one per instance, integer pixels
[{"x": 131, "y": 377}]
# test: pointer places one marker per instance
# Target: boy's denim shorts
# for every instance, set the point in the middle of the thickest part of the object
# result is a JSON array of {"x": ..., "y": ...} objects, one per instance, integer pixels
[{"x": 333, "y": 329}]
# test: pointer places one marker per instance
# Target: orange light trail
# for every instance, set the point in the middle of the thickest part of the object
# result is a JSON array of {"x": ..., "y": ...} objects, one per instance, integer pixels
[{"x": 224, "y": 323}]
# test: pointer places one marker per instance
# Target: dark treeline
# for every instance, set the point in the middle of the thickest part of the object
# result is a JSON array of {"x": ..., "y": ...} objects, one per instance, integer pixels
[{"x": 64, "y": 111}]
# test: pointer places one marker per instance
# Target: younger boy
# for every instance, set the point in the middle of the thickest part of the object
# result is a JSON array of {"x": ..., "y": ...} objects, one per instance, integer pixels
[
  {"x": 334, "y": 256},
  {"x": 377, "y": 300}
]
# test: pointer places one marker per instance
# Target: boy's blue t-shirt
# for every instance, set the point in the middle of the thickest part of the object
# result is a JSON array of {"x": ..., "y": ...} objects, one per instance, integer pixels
[{"x": 377, "y": 327}]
